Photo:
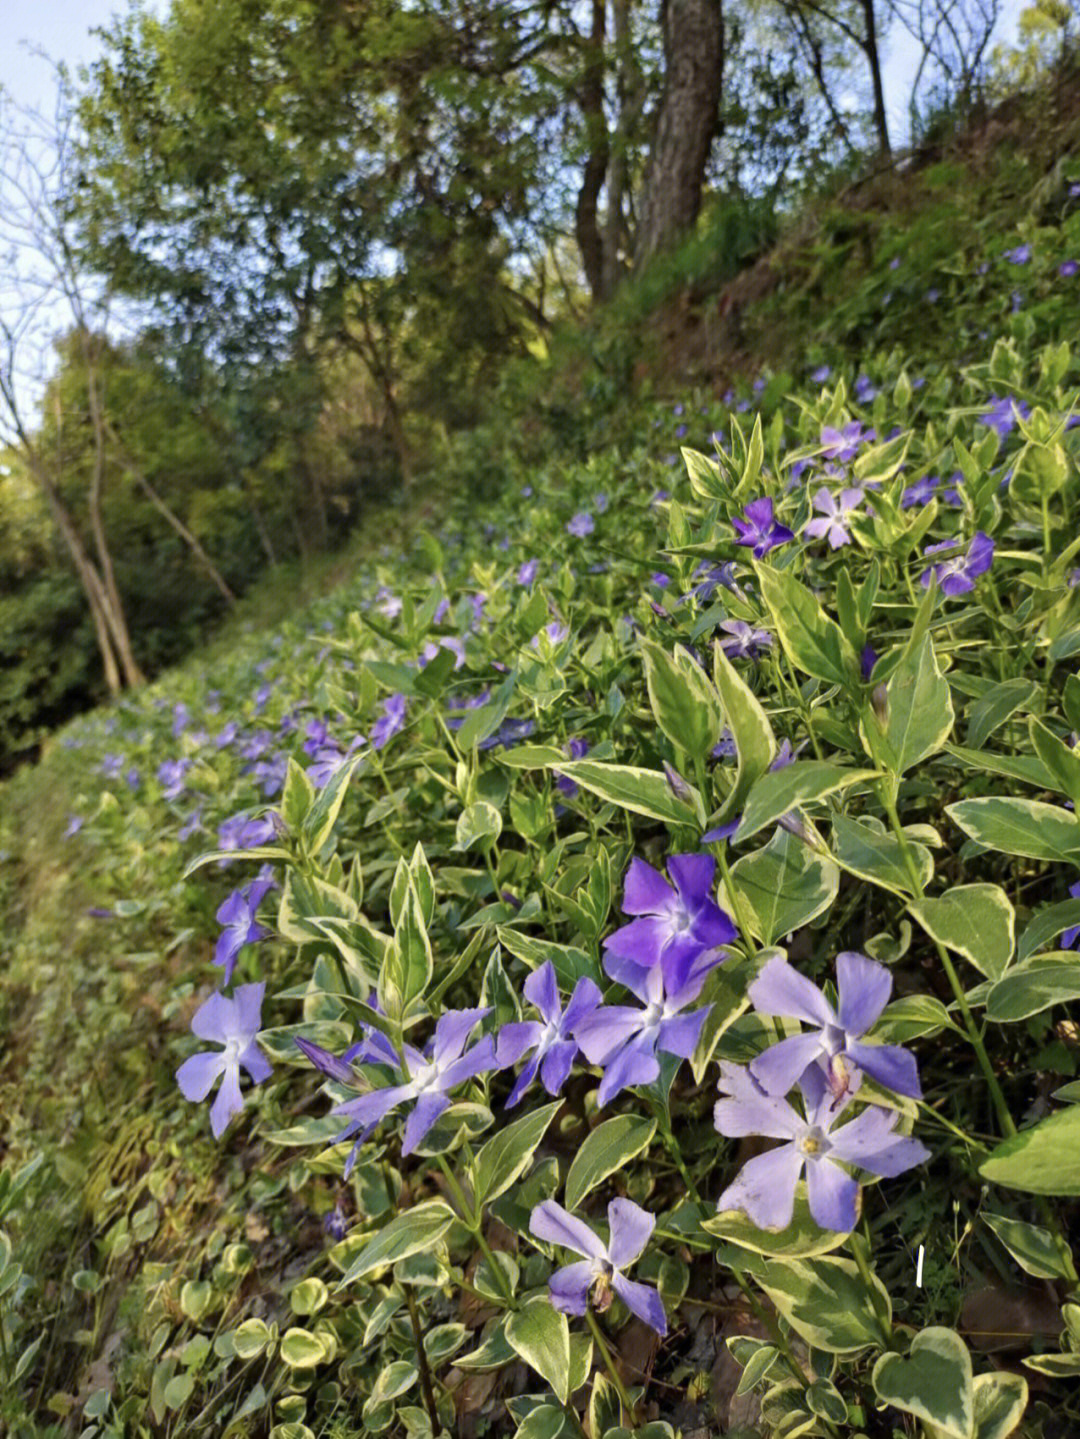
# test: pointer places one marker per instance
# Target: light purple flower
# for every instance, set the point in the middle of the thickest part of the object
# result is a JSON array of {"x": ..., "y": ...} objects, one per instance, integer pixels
[
  {"x": 679, "y": 919},
  {"x": 426, "y": 1082},
  {"x": 1019, "y": 256},
  {"x": 234, "y": 1024},
  {"x": 764, "y": 1188},
  {"x": 600, "y": 1271},
  {"x": 821, "y": 374},
  {"x": 760, "y": 529},
  {"x": 581, "y": 525},
  {"x": 509, "y": 733},
  {"x": 172, "y": 774},
  {"x": 843, "y": 445},
  {"x": 1001, "y": 416},
  {"x": 744, "y": 642},
  {"x": 237, "y": 914},
  {"x": 329, "y": 759},
  {"x": 74, "y": 824},
  {"x": 1070, "y": 936},
  {"x": 834, "y": 1039},
  {"x": 528, "y": 572},
  {"x": 1068, "y": 268},
  {"x": 391, "y": 721},
  {"x": 452, "y": 643},
  {"x": 957, "y": 576},
  {"x": 575, "y": 749},
  {"x": 623, "y": 1039},
  {"x": 552, "y": 1041},
  {"x": 834, "y": 516}
]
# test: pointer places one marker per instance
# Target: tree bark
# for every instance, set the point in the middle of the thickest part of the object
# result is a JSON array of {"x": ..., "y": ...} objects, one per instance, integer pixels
[
  {"x": 686, "y": 123},
  {"x": 631, "y": 98},
  {"x": 873, "y": 59},
  {"x": 590, "y": 240}
]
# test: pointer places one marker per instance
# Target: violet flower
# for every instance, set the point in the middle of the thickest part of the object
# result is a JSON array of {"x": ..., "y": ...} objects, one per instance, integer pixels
[
  {"x": 528, "y": 572},
  {"x": 1068, "y": 268},
  {"x": 552, "y": 1042},
  {"x": 390, "y": 722},
  {"x": 832, "y": 524},
  {"x": 759, "y": 528},
  {"x": 843, "y": 445},
  {"x": 426, "y": 1079},
  {"x": 834, "y": 1039},
  {"x": 623, "y": 1039},
  {"x": 957, "y": 576},
  {"x": 1020, "y": 256},
  {"x": 581, "y": 525},
  {"x": 600, "y": 1271},
  {"x": 575, "y": 749},
  {"x": 234, "y": 1024},
  {"x": 764, "y": 1188},
  {"x": 1071, "y": 935},
  {"x": 745, "y": 641},
  {"x": 679, "y": 919},
  {"x": 237, "y": 914}
]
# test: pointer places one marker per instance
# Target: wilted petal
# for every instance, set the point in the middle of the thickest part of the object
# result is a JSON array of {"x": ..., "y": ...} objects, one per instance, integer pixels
[
  {"x": 781, "y": 1066},
  {"x": 554, "y": 1224},
  {"x": 642, "y": 1300},
  {"x": 833, "y": 1195},
  {"x": 764, "y": 1188},
  {"x": 569, "y": 1287},
  {"x": 864, "y": 987},
  {"x": 428, "y": 1108},
  {"x": 196, "y": 1075},
  {"x": 631, "y": 1228},
  {"x": 781, "y": 990}
]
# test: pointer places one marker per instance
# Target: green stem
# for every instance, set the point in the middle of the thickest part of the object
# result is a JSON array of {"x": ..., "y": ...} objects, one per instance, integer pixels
[
  {"x": 769, "y": 1324},
  {"x": 858, "y": 1246},
  {"x": 414, "y": 1320},
  {"x": 734, "y": 898},
  {"x": 674, "y": 1150},
  {"x": 474, "y": 1221},
  {"x": 609, "y": 1365}
]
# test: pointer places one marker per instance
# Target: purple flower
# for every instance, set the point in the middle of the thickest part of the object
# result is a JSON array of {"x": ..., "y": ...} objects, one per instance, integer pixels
[
  {"x": 600, "y": 1271},
  {"x": 865, "y": 389},
  {"x": 623, "y": 1039},
  {"x": 387, "y": 603},
  {"x": 528, "y": 572},
  {"x": 234, "y": 1024},
  {"x": 821, "y": 374},
  {"x": 920, "y": 493},
  {"x": 390, "y": 722},
  {"x": 575, "y": 749},
  {"x": 509, "y": 733},
  {"x": 1020, "y": 256},
  {"x": 843, "y": 445},
  {"x": 1001, "y": 416},
  {"x": 555, "y": 631},
  {"x": 1068, "y": 268},
  {"x": 172, "y": 774},
  {"x": 679, "y": 920},
  {"x": 237, "y": 914},
  {"x": 745, "y": 641},
  {"x": 426, "y": 1079},
  {"x": 1070, "y": 936},
  {"x": 711, "y": 578},
  {"x": 760, "y": 529},
  {"x": 329, "y": 759},
  {"x": 191, "y": 825},
  {"x": 833, "y": 522},
  {"x": 601, "y": 501},
  {"x": 446, "y": 642},
  {"x": 581, "y": 525},
  {"x": 867, "y": 660},
  {"x": 956, "y": 576},
  {"x": 552, "y": 1042},
  {"x": 764, "y": 1188},
  {"x": 833, "y": 1042},
  {"x": 74, "y": 824}
]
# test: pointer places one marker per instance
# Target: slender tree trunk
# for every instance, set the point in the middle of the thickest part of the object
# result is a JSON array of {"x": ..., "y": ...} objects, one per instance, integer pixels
[
  {"x": 873, "y": 58},
  {"x": 587, "y": 231},
  {"x": 630, "y": 97},
  {"x": 686, "y": 123}
]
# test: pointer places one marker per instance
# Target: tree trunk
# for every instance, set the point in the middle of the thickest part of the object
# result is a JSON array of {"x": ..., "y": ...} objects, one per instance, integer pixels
[
  {"x": 686, "y": 123},
  {"x": 870, "y": 46},
  {"x": 587, "y": 232},
  {"x": 631, "y": 97}
]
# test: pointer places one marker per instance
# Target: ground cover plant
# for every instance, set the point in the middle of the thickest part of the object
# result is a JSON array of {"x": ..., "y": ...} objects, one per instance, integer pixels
[{"x": 605, "y": 968}]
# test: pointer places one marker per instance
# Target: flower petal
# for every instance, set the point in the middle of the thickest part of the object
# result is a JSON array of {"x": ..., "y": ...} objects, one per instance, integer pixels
[
  {"x": 569, "y": 1287},
  {"x": 781, "y": 990},
  {"x": 781, "y": 1066},
  {"x": 556, "y": 1065},
  {"x": 606, "y": 1030},
  {"x": 833, "y": 1195},
  {"x": 216, "y": 1019},
  {"x": 679, "y": 1034},
  {"x": 228, "y": 1103},
  {"x": 542, "y": 990},
  {"x": 585, "y": 998},
  {"x": 522, "y": 1083},
  {"x": 631, "y": 1229},
  {"x": 693, "y": 876},
  {"x": 642, "y": 1300},
  {"x": 427, "y": 1110},
  {"x": 865, "y": 986},
  {"x": 478, "y": 1060},
  {"x": 642, "y": 940},
  {"x": 892, "y": 1066},
  {"x": 256, "y": 1063},
  {"x": 554, "y": 1224},
  {"x": 645, "y": 891},
  {"x": 634, "y": 1064},
  {"x": 196, "y": 1075},
  {"x": 764, "y": 1188},
  {"x": 452, "y": 1032},
  {"x": 514, "y": 1039}
]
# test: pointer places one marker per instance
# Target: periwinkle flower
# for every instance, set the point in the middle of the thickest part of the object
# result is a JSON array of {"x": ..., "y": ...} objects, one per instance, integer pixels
[
  {"x": 834, "y": 515},
  {"x": 680, "y": 918},
  {"x": 843, "y": 445},
  {"x": 172, "y": 774},
  {"x": 1072, "y": 934},
  {"x": 74, "y": 825},
  {"x": 509, "y": 733},
  {"x": 764, "y": 1189},
  {"x": 1068, "y": 268},
  {"x": 834, "y": 1041},
  {"x": 1019, "y": 256},
  {"x": 237, "y": 914},
  {"x": 528, "y": 572},
  {"x": 329, "y": 759},
  {"x": 744, "y": 640},
  {"x": 390, "y": 722},
  {"x": 759, "y": 529},
  {"x": 623, "y": 1039},
  {"x": 600, "y": 1271},
  {"x": 957, "y": 575},
  {"x": 920, "y": 493},
  {"x": 234, "y": 1024},
  {"x": 426, "y": 1081},
  {"x": 446, "y": 642},
  {"x": 552, "y": 1042},
  {"x": 1002, "y": 414},
  {"x": 581, "y": 525},
  {"x": 575, "y": 749},
  {"x": 821, "y": 374}
]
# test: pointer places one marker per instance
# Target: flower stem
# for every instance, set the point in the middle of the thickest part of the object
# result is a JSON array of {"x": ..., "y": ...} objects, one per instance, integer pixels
[
  {"x": 609, "y": 1365},
  {"x": 475, "y": 1223}
]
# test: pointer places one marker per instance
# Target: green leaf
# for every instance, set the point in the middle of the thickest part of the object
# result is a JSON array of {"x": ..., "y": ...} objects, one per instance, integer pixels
[
  {"x": 825, "y": 1301},
  {"x": 1033, "y": 986},
  {"x": 918, "y": 711},
  {"x": 786, "y": 885},
  {"x": 1062, "y": 762},
  {"x": 813, "y": 642},
  {"x": 1036, "y": 1250},
  {"x": 297, "y": 796},
  {"x": 1047, "y": 925},
  {"x": 801, "y": 1239},
  {"x": 610, "y": 1146},
  {"x": 1000, "y": 1401},
  {"x": 1026, "y": 768},
  {"x": 407, "y": 968},
  {"x": 300, "y": 1349},
  {"x": 933, "y": 1382},
  {"x": 1026, "y": 827},
  {"x": 569, "y": 962},
  {"x": 479, "y": 822},
  {"x": 782, "y": 790},
  {"x": 704, "y": 475},
  {"x": 755, "y": 746},
  {"x": 250, "y": 1339},
  {"x": 975, "y": 920},
  {"x": 481, "y": 723},
  {"x": 1044, "y": 1159},
  {"x": 684, "y": 704},
  {"x": 543, "y": 1422},
  {"x": 323, "y": 813},
  {"x": 992, "y": 709},
  {"x": 418, "y": 1228},
  {"x": 540, "y": 1335},
  {"x": 643, "y": 791},
  {"x": 506, "y": 1156},
  {"x": 866, "y": 850}
]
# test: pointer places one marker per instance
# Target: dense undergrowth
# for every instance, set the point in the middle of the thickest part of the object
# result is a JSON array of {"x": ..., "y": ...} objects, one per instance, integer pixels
[{"x": 847, "y": 618}]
